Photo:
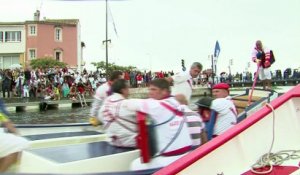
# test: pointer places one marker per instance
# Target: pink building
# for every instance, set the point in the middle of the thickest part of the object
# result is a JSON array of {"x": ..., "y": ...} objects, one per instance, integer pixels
[
  {"x": 21, "y": 42},
  {"x": 56, "y": 38}
]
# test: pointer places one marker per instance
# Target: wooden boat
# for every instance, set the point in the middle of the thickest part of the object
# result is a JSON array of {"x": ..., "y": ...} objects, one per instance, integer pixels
[
  {"x": 259, "y": 98},
  {"x": 237, "y": 150},
  {"x": 91, "y": 153}
]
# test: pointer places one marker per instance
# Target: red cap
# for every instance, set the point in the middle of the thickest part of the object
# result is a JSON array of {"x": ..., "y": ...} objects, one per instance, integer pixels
[{"x": 221, "y": 86}]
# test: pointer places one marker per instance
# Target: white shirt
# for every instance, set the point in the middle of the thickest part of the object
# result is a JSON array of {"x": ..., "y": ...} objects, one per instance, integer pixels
[
  {"x": 120, "y": 123},
  {"x": 165, "y": 132},
  {"x": 10, "y": 143},
  {"x": 195, "y": 124},
  {"x": 255, "y": 52},
  {"x": 101, "y": 94},
  {"x": 226, "y": 114},
  {"x": 102, "y": 91},
  {"x": 183, "y": 84}
]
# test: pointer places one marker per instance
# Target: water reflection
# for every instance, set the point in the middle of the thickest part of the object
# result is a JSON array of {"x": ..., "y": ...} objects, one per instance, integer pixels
[{"x": 51, "y": 116}]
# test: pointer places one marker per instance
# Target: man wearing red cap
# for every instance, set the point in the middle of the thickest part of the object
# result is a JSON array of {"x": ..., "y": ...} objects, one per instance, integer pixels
[
  {"x": 221, "y": 90},
  {"x": 224, "y": 115}
]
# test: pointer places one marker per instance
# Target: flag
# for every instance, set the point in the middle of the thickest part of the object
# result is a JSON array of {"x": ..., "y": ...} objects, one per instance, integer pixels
[
  {"x": 111, "y": 19},
  {"x": 217, "y": 49}
]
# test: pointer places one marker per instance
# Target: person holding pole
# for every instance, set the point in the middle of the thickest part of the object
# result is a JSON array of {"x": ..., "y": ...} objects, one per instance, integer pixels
[{"x": 263, "y": 58}]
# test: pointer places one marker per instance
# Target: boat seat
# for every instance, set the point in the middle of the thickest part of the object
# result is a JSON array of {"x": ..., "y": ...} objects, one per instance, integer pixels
[
  {"x": 77, "y": 152},
  {"x": 245, "y": 98},
  {"x": 240, "y": 110},
  {"x": 60, "y": 135},
  {"x": 240, "y": 104}
]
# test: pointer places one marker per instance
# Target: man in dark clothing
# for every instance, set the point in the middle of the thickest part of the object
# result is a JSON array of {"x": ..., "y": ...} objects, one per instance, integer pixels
[
  {"x": 27, "y": 76},
  {"x": 6, "y": 83}
]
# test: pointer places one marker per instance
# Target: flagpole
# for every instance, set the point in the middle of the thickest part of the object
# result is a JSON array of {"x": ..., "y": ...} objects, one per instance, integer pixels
[
  {"x": 216, "y": 75},
  {"x": 214, "y": 59},
  {"x": 106, "y": 40},
  {"x": 212, "y": 69}
]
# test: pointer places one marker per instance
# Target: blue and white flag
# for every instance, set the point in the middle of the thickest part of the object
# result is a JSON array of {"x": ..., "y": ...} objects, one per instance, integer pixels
[{"x": 217, "y": 49}]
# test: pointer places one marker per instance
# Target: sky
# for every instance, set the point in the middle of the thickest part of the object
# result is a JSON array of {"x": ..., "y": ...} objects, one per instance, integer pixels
[{"x": 156, "y": 34}]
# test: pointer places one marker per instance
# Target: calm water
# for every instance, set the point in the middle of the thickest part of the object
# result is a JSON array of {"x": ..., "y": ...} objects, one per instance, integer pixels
[
  {"x": 51, "y": 116},
  {"x": 56, "y": 116},
  {"x": 76, "y": 115}
]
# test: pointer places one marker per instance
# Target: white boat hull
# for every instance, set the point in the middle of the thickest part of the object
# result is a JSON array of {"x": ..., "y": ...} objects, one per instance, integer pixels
[{"x": 239, "y": 148}]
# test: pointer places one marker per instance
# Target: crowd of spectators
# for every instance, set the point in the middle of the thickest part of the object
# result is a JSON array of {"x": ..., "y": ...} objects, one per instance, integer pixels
[
  {"x": 51, "y": 83},
  {"x": 55, "y": 83},
  {"x": 287, "y": 74}
]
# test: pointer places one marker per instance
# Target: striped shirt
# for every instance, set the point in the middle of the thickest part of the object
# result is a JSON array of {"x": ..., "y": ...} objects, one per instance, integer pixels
[{"x": 195, "y": 124}]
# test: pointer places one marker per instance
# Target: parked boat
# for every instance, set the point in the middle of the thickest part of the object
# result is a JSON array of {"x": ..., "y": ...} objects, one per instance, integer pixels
[
  {"x": 237, "y": 150},
  {"x": 59, "y": 153}
]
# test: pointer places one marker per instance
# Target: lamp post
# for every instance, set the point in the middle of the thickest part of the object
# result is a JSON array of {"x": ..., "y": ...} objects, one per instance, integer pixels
[
  {"x": 230, "y": 64},
  {"x": 106, "y": 39},
  {"x": 105, "y": 42}
]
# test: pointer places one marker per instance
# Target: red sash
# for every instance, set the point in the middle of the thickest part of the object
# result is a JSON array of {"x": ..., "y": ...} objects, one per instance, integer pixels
[{"x": 142, "y": 137}]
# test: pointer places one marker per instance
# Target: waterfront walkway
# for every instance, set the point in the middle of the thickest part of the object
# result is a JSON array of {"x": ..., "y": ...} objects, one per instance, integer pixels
[{"x": 21, "y": 103}]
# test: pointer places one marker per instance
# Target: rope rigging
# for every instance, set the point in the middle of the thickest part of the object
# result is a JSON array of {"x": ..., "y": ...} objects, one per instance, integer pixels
[{"x": 270, "y": 159}]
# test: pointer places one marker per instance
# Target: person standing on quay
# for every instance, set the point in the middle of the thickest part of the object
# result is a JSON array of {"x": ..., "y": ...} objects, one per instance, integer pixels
[{"x": 264, "y": 58}]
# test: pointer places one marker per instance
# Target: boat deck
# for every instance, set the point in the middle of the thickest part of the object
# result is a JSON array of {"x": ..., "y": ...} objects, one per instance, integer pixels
[
  {"x": 61, "y": 135},
  {"x": 90, "y": 153},
  {"x": 70, "y": 153},
  {"x": 241, "y": 102}
]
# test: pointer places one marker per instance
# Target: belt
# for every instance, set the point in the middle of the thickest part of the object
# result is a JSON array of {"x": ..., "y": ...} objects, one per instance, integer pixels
[{"x": 178, "y": 151}]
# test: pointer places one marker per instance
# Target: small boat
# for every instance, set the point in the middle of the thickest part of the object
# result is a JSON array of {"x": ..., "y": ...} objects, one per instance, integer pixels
[
  {"x": 245, "y": 106},
  {"x": 87, "y": 151},
  {"x": 266, "y": 142}
]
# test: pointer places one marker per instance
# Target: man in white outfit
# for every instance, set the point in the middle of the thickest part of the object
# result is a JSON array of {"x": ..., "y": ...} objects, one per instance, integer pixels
[
  {"x": 183, "y": 82},
  {"x": 101, "y": 94},
  {"x": 223, "y": 114},
  {"x": 261, "y": 56},
  {"x": 172, "y": 135},
  {"x": 119, "y": 123},
  {"x": 194, "y": 120}
]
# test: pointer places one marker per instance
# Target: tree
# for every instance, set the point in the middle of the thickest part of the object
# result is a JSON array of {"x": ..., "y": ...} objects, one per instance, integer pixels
[
  {"x": 46, "y": 62},
  {"x": 111, "y": 67}
]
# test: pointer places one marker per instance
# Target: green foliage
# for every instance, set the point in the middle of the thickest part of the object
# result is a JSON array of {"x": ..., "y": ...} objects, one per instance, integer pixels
[
  {"x": 111, "y": 67},
  {"x": 46, "y": 62}
]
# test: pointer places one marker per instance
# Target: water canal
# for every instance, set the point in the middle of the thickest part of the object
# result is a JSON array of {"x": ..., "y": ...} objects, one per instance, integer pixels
[{"x": 66, "y": 114}]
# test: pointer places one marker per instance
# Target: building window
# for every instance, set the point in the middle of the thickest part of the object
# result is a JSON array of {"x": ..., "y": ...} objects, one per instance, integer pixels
[
  {"x": 32, "y": 30},
  {"x": 32, "y": 54},
  {"x": 58, "y": 55},
  {"x": 58, "y": 34},
  {"x": 13, "y": 36},
  {"x": 1, "y": 36}
]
